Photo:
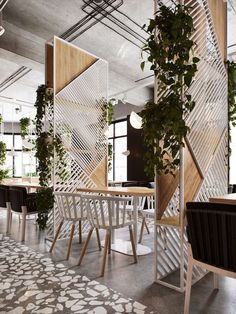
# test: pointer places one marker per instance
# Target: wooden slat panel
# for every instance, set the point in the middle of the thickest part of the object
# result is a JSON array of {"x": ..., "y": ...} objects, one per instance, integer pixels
[
  {"x": 192, "y": 177},
  {"x": 167, "y": 184},
  {"x": 70, "y": 61},
  {"x": 49, "y": 65},
  {"x": 218, "y": 11},
  {"x": 99, "y": 176}
]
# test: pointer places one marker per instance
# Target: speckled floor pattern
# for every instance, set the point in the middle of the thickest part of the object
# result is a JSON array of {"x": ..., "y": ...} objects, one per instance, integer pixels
[{"x": 33, "y": 283}]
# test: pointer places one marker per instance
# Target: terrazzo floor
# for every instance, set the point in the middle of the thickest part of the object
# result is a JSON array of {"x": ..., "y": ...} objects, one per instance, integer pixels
[
  {"x": 132, "y": 281},
  {"x": 33, "y": 283}
]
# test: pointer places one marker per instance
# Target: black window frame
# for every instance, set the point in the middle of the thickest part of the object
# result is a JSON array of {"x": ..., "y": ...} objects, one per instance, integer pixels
[{"x": 113, "y": 138}]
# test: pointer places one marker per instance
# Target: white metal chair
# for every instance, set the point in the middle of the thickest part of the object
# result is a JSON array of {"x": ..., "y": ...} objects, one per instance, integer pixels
[
  {"x": 108, "y": 213},
  {"x": 71, "y": 209}
]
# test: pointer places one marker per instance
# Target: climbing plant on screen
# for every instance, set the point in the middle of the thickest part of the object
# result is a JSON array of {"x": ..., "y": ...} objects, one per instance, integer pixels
[
  {"x": 46, "y": 144},
  {"x": 231, "y": 66},
  {"x": 169, "y": 49}
]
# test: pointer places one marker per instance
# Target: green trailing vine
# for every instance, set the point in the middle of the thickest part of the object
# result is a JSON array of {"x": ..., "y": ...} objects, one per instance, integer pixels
[
  {"x": 107, "y": 118},
  {"x": 3, "y": 172},
  {"x": 169, "y": 48},
  {"x": 231, "y": 66},
  {"x": 24, "y": 127},
  {"x": 46, "y": 145}
]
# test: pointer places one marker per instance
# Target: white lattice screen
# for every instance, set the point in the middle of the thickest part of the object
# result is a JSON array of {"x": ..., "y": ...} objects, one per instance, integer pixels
[
  {"x": 78, "y": 120},
  {"x": 207, "y": 140}
]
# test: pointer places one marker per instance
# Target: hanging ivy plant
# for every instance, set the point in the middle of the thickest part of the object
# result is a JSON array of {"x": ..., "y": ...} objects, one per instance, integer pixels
[
  {"x": 24, "y": 127},
  {"x": 231, "y": 95},
  {"x": 1, "y": 119},
  {"x": 46, "y": 144},
  {"x": 3, "y": 172},
  {"x": 169, "y": 48},
  {"x": 107, "y": 118}
]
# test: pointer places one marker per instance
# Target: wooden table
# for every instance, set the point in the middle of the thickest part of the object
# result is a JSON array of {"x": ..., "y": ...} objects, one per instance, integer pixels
[
  {"x": 136, "y": 192},
  {"x": 224, "y": 199},
  {"x": 26, "y": 185}
]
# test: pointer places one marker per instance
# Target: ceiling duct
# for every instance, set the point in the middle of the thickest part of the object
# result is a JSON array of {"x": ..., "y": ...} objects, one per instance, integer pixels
[{"x": 2, "y": 4}]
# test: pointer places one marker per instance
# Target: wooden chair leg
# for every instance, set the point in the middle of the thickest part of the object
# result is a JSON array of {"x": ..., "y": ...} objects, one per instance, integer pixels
[
  {"x": 10, "y": 222},
  {"x": 98, "y": 239},
  {"x": 70, "y": 241},
  {"x": 85, "y": 247},
  {"x": 8, "y": 217},
  {"x": 141, "y": 231},
  {"x": 56, "y": 236},
  {"x": 133, "y": 244},
  {"x": 24, "y": 213},
  {"x": 80, "y": 231},
  {"x": 109, "y": 244},
  {"x": 215, "y": 281},
  {"x": 188, "y": 286},
  {"x": 146, "y": 226},
  {"x": 105, "y": 252}
]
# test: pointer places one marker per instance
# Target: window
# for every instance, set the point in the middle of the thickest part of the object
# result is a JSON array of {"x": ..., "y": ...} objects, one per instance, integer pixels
[
  {"x": 118, "y": 139},
  {"x": 22, "y": 163}
]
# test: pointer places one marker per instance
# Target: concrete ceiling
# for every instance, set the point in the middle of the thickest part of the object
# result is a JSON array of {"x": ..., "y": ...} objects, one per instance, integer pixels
[{"x": 28, "y": 24}]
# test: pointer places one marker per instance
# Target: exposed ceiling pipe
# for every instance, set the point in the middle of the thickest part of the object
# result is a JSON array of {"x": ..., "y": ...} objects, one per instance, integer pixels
[
  {"x": 2, "y": 29},
  {"x": 2, "y": 4},
  {"x": 22, "y": 71}
]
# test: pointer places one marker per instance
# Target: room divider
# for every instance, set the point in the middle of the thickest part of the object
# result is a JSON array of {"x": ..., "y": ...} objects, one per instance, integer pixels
[
  {"x": 79, "y": 80},
  {"x": 203, "y": 168}
]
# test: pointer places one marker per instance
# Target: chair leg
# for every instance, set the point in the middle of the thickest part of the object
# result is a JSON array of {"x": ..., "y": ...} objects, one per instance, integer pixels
[
  {"x": 146, "y": 226},
  {"x": 141, "y": 231},
  {"x": 109, "y": 244},
  {"x": 133, "y": 244},
  {"x": 215, "y": 281},
  {"x": 56, "y": 236},
  {"x": 10, "y": 221},
  {"x": 8, "y": 217},
  {"x": 80, "y": 231},
  {"x": 98, "y": 239},
  {"x": 70, "y": 241},
  {"x": 24, "y": 213},
  {"x": 85, "y": 247},
  {"x": 188, "y": 286},
  {"x": 108, "y": 235}
]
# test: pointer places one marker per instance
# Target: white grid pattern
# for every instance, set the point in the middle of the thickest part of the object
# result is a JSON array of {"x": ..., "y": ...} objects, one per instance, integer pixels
[
  {"x": 208, "y": 141},
  {"x": 78, "y": 120}
]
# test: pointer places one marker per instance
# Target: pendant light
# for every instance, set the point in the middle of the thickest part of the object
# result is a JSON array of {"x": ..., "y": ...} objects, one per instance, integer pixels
[{"x": 135, "y": 120}]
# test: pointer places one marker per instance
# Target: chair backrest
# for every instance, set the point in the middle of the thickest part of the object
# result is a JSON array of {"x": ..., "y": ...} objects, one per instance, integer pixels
[
  {"x": 211, "y": 232},
  {"x": 4, "y": 197},
  {"x": 17, "y": 197},
  {"x": 108, "y": 211},
  {"x": 70, "y": 205}
]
